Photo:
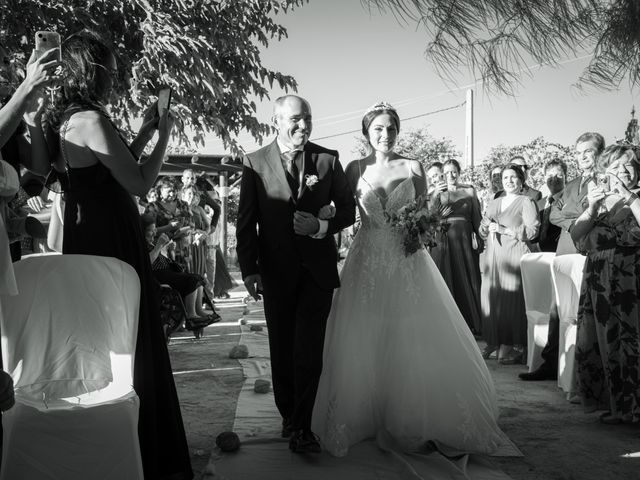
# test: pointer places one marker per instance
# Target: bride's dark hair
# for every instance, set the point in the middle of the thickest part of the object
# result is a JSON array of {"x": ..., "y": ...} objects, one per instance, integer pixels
[
  {"x": 376, "y": 110},
  {"x": 85, "y": 82}
]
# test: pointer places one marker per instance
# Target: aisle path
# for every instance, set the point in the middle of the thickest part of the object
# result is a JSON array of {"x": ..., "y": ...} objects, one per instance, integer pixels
[{"x": 557, "y": 439}]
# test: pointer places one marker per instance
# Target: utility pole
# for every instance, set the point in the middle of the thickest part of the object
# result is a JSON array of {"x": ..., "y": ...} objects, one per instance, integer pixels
[
  {"x": 224, "y": 207},
  {"x": 468, "y": 134}
]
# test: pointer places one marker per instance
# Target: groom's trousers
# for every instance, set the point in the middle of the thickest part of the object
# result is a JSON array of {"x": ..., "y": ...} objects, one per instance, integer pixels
[{"x": 296, "y": 310}]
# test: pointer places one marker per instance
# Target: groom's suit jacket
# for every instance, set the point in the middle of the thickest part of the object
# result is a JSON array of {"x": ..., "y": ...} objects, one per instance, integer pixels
[{"x": 266, "y": 242}]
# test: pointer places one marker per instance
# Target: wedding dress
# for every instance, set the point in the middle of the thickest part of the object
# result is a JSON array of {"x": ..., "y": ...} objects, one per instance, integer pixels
[{"x": 400, "y": 362}]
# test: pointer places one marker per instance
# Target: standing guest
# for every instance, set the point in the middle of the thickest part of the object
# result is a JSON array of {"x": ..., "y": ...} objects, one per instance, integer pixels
[
  {"x": 435, "y": 178},
  {"x": 528, "y": 191},
  {"x": 573, "y": 202},
  {"x": 495, "y": 179},
  {"x": 555, "y": 174},
  {"x": 210, "y": 203},
  {"x": 173, "y": 216},
  {"x": 509, "y": 225},
  {"x": 20, "y": 116},
  {"x": 495, "y": 186},
  {"x": 608, "y": 333},
  {"x": 198, "y": 236},
  {"x": 563, "y": 214},
  {"x": 285, "y": 250},
  {"x": 457, "y": 256},
  {"x": 100, "y": 173},
  {"x": 222, "y": 279}
]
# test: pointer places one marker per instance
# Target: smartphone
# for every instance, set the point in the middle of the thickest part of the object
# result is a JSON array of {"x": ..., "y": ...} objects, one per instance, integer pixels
[
  {"x": 164, "y": 101},
  {"x": 45, "y": 41},
  {"x": 603, "y": 181}
]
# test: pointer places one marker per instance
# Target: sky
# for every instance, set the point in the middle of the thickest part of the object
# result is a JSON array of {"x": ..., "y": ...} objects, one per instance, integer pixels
[{"x": 345, "y": 58}]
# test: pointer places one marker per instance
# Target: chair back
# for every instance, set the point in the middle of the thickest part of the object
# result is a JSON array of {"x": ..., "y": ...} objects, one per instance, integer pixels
[
  {"x": 537, "y": 285},
  {"x": 69, "y": 336},
  {"x": 567, "y": 281}
]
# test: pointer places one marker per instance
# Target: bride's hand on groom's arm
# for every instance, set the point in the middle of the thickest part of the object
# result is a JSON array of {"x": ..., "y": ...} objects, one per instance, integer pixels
[
  {"x": 253, "y": 283},
  {"x": 305, "y": 223}
]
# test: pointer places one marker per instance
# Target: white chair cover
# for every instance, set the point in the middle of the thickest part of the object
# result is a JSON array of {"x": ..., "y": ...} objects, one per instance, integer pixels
[
  {"x": 567, "y": 280},
  {"x": 68, "y": 341},
  {"x": 538, "y": 293}
]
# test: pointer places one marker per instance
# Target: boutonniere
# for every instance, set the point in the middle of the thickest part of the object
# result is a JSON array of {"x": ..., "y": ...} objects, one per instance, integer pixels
[{"x": 310, "y": 180}]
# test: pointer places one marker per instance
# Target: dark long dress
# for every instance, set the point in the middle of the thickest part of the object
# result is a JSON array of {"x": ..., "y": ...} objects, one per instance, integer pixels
[
  {"x": 455, "y": 257},
  {"x": 101, "y": 218}
]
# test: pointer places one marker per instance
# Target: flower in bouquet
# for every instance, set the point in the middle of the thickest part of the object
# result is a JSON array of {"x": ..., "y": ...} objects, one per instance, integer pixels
[{"x": 419, "y": 224}]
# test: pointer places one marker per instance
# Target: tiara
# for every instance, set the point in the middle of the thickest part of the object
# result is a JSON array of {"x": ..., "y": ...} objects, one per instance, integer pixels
[{"x": 380, "y": 106}]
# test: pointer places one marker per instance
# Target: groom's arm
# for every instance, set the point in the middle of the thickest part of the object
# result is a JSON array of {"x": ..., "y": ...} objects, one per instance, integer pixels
[
  {"x": 343, "y": 200},
  {"x": 246, "y": 227}
]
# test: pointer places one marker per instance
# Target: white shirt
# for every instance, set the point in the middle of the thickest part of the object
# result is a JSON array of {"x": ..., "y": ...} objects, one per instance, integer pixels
[{"x": 323, "y": 224}]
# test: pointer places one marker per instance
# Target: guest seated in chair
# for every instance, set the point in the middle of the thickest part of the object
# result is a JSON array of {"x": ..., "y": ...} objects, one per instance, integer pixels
[
  {"x": 608, "y": 327},
  {"x": 189, "y": 285}
]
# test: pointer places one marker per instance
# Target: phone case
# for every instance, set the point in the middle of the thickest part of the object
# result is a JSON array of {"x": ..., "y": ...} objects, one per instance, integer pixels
[
  {"x": 46, "y": 41},
  {"x": 164, "y": 100}
]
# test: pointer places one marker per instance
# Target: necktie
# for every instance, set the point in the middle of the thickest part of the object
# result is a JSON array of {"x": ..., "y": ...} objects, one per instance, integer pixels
[
  {"x": 289, "y": 160},
  {"x": 544, "y": 228}
]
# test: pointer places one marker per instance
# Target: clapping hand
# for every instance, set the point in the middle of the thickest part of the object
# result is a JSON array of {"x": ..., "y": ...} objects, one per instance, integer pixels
[
  {"x": 163, "y": 240},
  {"x": 327, "y": 212},
  {"x": 495, "y": 227},
  {"x": 35, "y": 203},
  {"x": 595, "y": 197}
]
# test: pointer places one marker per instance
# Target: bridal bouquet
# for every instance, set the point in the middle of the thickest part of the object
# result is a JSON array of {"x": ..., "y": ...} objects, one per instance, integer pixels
[{"x": 419, "y": 225}]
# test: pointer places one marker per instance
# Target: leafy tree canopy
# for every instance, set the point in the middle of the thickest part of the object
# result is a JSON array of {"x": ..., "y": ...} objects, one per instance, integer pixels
[
  {"x": 208, "y": 51},
  {"x": 497, "y": 39},
  {"x": 418, "y": 144},
  {"x": 537, "y": 153}
]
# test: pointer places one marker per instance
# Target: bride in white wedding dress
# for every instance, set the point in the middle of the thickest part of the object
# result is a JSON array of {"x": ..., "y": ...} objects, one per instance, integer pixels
[{"x": 399, "y": 361}]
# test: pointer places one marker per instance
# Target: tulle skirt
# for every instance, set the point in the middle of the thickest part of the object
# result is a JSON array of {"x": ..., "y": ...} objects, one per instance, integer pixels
[{"x": 399, "y": 359}]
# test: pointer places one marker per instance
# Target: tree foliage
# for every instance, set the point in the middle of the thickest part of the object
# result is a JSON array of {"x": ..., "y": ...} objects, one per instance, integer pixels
[
  {"x": 208, "y": 51},
  {"x": 418, "y": 144},
  {"x": 537, "y": 153},
  {"x": 497, "y": 39}
]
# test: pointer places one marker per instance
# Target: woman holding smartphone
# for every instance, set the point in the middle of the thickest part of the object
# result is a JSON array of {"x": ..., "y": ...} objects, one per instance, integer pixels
[
  {"x": 100, "y": 173},
  {"x": 608, "y": 324}
]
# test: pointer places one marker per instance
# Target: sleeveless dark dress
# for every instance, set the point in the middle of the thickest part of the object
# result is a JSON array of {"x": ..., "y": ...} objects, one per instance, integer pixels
[{"x": 101, "y": 218}]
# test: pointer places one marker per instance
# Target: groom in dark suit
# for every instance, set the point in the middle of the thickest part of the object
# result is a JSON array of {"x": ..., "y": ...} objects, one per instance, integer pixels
[{"x": 287, "y": 253}]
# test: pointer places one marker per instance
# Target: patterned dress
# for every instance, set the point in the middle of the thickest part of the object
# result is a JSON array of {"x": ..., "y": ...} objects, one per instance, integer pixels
[{"x": 608, "y": 333}]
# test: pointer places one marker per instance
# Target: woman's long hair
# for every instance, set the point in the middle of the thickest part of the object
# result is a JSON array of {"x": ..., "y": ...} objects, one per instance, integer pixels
[{"x": 85, "y": 82}]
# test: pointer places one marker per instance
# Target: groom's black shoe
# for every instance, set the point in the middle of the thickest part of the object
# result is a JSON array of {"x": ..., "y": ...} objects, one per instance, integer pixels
[
  {"x": 304, "y": 441},
  {"x": 539, "y": 374},
  {"x": 287, "y": 428}
]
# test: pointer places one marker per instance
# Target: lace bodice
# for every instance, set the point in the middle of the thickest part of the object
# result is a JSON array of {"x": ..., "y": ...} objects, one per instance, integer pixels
[{"x": 373, "y": 207}]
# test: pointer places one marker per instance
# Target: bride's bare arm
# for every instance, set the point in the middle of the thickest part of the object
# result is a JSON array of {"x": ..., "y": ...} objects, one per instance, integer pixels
[{"x": 419, "y": 177}]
